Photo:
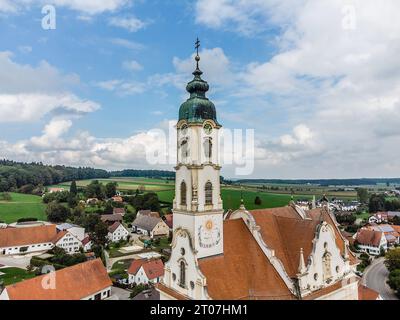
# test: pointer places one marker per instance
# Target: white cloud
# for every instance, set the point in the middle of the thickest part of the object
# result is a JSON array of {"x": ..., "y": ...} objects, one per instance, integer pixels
[
  {"x": 132, "y": 65},
  {"x": 25, "y": 98},
  {"x": 57, "y": 146},
  {"x": 90, "y": 7},
  {"x": 122, "y": 87},
  {"x": 31, "y": 107},
  {"x": 341, "y": 83},
  {"x": 128, "y": 44},
  {"x": 131, "y": 24}
]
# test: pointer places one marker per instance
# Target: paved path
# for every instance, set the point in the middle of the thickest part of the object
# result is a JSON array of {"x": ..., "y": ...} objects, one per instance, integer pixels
[
  {"x": 119, "y": 294},
  {"x": 375, "y": 277},
  {"x": 16, "y": 261}
]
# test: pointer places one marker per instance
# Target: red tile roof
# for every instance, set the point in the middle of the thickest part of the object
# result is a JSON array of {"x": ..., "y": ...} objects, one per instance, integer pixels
[
  {"x": 11, "y": 237},
  {"x": 114, "y": 227},
  {"x": 72, "y": 283},
  {"x": 242, "y": 272},
  {"x": 365, "y": 293},
  {"x": 369, "y": 237},
  {"x": 59, "y": 236},
  {"x": 152, "y": 268}
]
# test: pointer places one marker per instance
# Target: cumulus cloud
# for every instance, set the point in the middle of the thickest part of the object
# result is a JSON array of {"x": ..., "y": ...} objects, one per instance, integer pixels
[
  {"x": 336, "y": 71},
  {"x": 23, "y": 98}
]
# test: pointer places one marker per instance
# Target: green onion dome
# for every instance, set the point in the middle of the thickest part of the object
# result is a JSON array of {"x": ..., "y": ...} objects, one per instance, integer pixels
[{"x": 197, "y": 108}]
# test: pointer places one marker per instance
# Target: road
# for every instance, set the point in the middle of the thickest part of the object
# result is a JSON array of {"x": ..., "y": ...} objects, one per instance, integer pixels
[{"x": 375, "y": 277}]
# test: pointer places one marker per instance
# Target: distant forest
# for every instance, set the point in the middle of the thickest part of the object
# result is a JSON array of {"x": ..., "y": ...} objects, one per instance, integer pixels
[
  {"x": 26, "y": 177},
  {"x": 324, "y": 182}
]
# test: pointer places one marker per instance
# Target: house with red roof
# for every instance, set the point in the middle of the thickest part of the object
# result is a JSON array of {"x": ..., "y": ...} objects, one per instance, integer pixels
[
  {"x": 84, "y": 281},
  {"x": 371, "y": 241},
  {"x": 145, "y": 271},
  {"x": 117, "y": 232}
]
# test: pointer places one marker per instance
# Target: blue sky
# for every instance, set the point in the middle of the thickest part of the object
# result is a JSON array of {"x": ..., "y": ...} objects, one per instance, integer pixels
[{"x": 87, "y": 92}]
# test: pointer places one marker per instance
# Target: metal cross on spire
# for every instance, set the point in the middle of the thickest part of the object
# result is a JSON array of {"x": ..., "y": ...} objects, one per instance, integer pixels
[{"x": 197, "y": 46}]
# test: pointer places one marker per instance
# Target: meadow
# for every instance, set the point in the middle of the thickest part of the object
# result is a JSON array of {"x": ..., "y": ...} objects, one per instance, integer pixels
[{"x": 22, "y": 206}]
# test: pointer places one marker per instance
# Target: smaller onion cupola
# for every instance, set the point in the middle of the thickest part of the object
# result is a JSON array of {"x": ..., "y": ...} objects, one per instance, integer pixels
[{"x": 198, "y": 107}]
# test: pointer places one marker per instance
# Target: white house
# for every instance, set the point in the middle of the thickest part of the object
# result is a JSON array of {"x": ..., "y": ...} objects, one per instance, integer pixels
[
  {"x": 77, "y": 231},
  {"x": 87, "y": 244},
  {"x": 150, "y": 226},
  {"x": 371, "y": 241},
  {"x": 145, "y": 271},
  {"x": 84, "y": 281},
  {"x": 27, "y": 240},
  {"x": 117, "y": 232},
  {"x": 67, "y": 241}
]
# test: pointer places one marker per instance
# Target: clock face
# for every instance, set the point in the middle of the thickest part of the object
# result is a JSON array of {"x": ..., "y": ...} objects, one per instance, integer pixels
[
  {"x": 209, "y": 234},
  {"x": 208, "y": 128}
]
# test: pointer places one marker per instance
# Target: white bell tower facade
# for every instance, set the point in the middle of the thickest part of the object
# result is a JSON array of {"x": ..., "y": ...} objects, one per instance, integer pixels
[{"x": 197, "y": 206}]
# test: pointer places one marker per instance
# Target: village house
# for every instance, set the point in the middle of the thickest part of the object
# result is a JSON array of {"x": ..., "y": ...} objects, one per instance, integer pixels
[
  {"x": 391, "y": 233},
  {"x": 55, "y": 190},
  {"x": 92, "y": 201},
  {"x": 84, "y": 281},
  {"x": 15, "y": 241},
  {"x": 383, "y": 217},
  {"x": 110, "y": 219},
  {"x": 145, "y": 271},
  {"x": 150, "y": 226},
  {"x": 371, "y": 241},
  {"x": 117, "y": 232},
  {"x": 148, "y": 213},
  {"x": 67, "y": 241},
  {"x": 120, "y": 211},
  {"x": 87, "y": 243},
  {"x": 117, "y": 199},
  {"x": 27, "y": 240},
  {"x": 77, "y": 231}
]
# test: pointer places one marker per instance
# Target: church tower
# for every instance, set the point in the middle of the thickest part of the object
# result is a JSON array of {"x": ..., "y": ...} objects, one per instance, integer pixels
[{"x": 197, "y": 206}]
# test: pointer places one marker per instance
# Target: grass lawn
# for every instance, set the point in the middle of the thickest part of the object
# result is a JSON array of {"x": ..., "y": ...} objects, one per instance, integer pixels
[
  {"x": 22, "y": 206},
  {"x": 164, "y": 244},
  {"x": 122, "y": 265},
  {"x": 14, "y": 275}
]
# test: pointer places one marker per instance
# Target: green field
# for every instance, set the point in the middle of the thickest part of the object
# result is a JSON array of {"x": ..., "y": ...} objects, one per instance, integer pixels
[
  {"x": 22, "y": 206},
  {"x": 14, "y": 275},
  {"x": 127, "y": 184},
  {"x": 231, "y": 198}
]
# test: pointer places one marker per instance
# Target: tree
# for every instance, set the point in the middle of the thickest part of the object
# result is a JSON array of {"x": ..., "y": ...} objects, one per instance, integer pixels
[
  {"x": 376, "y": 203},
  {"x": 362, "y": 195},
  {"x": 95, "y": 190},
  {"x": 57, "y": 212},
  {"x": 394, "y": 280},
  {"x": 73, "y": 189},
  {"x": 108, "y": 209},
  {"x": 100, "y": 234},
  {"x": 392, "y": 259},
  {"x": 111, "y": 189},
  {"x": 258, "y": 201}
]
